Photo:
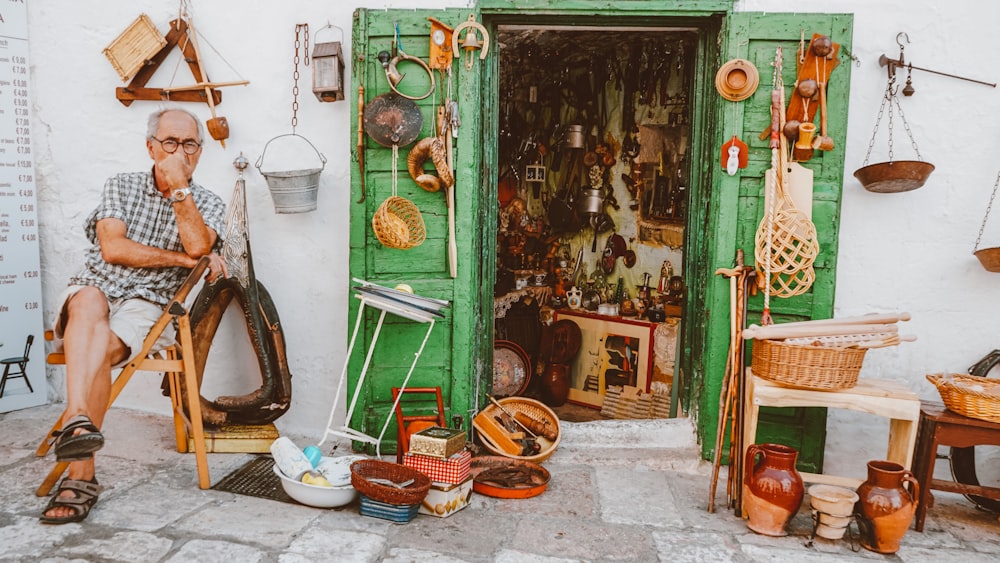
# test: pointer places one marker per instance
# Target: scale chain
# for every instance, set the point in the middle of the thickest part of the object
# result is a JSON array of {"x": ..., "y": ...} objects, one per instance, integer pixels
[{"x": 989, "y": 207}]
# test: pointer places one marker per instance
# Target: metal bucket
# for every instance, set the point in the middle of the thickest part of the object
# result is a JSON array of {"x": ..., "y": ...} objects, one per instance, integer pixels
[{"x": 293, "y": 191}]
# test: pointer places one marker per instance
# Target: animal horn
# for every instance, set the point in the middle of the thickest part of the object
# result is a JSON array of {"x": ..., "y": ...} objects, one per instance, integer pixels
[{"x": 434, "y": 148}]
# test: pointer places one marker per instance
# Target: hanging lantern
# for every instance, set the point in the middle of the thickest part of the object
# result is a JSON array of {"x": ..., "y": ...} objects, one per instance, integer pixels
[{"x": 328, "y": 70}]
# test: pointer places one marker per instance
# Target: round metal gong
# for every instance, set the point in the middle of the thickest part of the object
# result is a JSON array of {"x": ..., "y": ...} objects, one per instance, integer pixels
[{"x": 391, "y": 119}]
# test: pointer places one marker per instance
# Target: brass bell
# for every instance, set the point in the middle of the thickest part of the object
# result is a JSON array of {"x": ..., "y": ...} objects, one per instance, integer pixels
[{"x": 471, "y": 42}]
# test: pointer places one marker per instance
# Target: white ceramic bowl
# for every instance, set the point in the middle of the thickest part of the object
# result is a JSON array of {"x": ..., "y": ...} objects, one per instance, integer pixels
[
  {"x": 832, "y": 500},
  {"x": 323, "y": 497}
]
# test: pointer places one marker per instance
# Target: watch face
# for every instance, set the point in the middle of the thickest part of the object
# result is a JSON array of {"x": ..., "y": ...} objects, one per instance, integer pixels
[
  {"x": 180, "y": 195},
  {"x": 437, "y": 37}
]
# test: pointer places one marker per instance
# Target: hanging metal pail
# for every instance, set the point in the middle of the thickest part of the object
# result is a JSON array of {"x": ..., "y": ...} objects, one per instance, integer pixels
[{"x": 293, "y": 191}]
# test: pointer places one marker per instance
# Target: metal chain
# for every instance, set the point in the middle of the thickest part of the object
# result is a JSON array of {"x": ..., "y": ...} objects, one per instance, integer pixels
[
  {"x": 987, "y": 216},
  {"x": 301, "y": 27},
  {"x": 913, "y": 141},
  {"x": 878, "y": 121}
]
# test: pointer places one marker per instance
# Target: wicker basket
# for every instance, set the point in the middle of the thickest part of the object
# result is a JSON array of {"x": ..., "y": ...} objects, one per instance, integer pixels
[
  {"x": 133, "y": 47},
  {"x": 364, "y": 470},
  {"x": 824, "y": 368},
  {"x": 968, "y": 395},
  {"x": 536, "y": 410},
  {"x": 398, "y": 224}
]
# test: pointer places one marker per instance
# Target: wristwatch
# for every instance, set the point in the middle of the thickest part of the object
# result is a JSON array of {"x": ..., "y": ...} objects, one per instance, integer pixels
[{"x": 180, "y": 195}]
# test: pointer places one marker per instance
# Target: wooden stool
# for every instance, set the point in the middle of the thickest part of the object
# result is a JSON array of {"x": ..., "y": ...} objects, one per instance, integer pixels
[
  {"x": 874, "y": 396},
  {"x": 942, "y": 427}
]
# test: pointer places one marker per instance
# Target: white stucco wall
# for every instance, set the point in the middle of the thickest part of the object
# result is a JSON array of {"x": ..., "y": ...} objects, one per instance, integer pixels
[{"x": 898, "y": 252}]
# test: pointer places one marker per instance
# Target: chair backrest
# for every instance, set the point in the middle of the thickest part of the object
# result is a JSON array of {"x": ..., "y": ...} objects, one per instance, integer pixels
[{"x": 27, "y": 346}]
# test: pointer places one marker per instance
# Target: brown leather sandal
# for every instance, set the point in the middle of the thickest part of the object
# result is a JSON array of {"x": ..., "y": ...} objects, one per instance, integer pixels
[{"x": 84, "y": 497}]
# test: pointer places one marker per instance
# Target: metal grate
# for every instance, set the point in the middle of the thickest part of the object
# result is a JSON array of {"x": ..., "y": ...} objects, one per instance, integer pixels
[{"x": 255, "y": 479}]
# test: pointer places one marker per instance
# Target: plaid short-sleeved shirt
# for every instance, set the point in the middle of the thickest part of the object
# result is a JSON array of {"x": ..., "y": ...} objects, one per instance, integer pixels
[{"x": 150, "y": 220}]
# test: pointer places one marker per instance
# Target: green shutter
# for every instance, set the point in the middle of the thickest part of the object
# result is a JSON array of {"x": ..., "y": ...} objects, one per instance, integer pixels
[
  {"x": 736, "y": 209},
  {"x": 451, "y": 359}
]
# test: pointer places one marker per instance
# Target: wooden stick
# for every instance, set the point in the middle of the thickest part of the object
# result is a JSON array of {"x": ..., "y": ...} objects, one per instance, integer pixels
[
  {"x": 724, "y": 393},
  {"x": 203, "y": 85},
  {"x": 778, "y": 332},
  {"x": 873, "y": 318},
  {"x": 361, "y": 140}
]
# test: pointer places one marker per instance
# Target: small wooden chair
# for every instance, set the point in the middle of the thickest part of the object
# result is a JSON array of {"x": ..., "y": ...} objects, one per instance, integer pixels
[
  {"x": 20, "y": 365},
  {"x": 403, "y": 439},
  {"x": 175, "y": 364}
]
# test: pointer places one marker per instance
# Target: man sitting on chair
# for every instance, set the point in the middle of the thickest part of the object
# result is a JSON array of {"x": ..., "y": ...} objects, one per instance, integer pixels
[{"x": 148, "y": 231}]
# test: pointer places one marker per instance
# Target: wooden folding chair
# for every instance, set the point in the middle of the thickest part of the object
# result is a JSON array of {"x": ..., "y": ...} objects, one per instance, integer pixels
[
  {"x": 402, "y": 421},
  {"x": 175, "y": 364}
]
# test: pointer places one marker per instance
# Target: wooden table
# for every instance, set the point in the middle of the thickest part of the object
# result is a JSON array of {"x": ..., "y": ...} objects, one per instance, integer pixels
[
  {"x": 876, "y": 396},
  {"x": 942, "y": 427}
]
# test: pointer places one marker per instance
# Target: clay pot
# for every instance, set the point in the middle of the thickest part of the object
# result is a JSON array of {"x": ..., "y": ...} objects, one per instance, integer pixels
[
  {"x": 885, "y": 508},
  {"x": 555, "y": 384},
  {"x": 772, "y": 488}
]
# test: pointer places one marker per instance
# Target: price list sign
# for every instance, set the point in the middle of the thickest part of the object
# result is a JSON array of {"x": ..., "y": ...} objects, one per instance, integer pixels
[{"x": 23, "y": 379}]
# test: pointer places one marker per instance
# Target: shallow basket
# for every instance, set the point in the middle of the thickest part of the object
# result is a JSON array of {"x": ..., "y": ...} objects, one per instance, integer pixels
[
  {"x": 536, "y": 410},
  {"x": 968, "y": 395},
  {"x": 824, "y": 368},
  {"x": 398, "y": 224},
  {"x": 364, "y": 470},
  {"x": 133, "y": 47}
]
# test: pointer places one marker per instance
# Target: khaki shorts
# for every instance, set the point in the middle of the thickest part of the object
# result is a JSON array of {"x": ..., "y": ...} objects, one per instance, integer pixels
[{"x": 130, "y": 320}]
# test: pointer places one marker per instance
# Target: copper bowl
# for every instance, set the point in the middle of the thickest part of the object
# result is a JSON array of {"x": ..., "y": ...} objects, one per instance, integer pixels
[
  {"x": 503, "y": 477},
  {"x": 989, "y": 258},
  {"x": 895, "y": 176}
]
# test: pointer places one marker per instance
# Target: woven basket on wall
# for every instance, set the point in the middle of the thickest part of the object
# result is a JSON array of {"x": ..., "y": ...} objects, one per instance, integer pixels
[
  {"x": 824, "y": 368},
  {"x": 398, "y": 224}
]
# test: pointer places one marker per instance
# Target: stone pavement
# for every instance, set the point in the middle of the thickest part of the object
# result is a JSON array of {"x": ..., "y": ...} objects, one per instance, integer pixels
[{"x": 603, "y": 504}]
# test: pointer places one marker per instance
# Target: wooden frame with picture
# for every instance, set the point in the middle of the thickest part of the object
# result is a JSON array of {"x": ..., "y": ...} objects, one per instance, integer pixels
[{"x": 613, "y": 351}]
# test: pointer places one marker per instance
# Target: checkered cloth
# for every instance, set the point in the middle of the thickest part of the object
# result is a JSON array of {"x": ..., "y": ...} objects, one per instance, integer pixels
[{"x": 453, "y": 470}]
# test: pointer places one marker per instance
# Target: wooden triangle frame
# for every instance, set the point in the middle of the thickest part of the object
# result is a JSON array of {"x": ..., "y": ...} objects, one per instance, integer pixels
[{"x": 136, "y": 89}]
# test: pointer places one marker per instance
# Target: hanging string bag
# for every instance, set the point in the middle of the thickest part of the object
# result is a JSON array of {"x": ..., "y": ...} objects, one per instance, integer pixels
[{"x": 786, "y": 242}]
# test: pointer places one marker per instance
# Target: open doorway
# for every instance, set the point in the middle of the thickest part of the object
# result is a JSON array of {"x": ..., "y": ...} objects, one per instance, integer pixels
[{"x": 594, "y": 137}]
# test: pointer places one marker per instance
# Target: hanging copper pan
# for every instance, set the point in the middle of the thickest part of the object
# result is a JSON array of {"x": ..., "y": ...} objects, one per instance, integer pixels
[
  {"x": 391, "y": 119},
  {"x": 895, "y": 176}
]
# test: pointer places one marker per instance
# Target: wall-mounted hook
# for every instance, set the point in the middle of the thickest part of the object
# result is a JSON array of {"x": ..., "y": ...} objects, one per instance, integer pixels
[{"x": 900, "y": 43}]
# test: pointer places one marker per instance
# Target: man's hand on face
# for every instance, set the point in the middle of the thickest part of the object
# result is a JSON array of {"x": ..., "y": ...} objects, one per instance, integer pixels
[{"x": 176, "y": 170}]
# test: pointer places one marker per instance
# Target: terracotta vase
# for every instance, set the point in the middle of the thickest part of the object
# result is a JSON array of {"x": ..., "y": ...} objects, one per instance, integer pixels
[
  {"x": 772, "y": 488},
  {"x": 555, "y": 384},
  {"x": 885, "y": 508}
]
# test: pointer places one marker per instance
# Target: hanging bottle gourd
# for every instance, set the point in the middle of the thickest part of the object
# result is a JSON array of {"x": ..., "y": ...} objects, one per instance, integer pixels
[{"x": 893, "y": 175}]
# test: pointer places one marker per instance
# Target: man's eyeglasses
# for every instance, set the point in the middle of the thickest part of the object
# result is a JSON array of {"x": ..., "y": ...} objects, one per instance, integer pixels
[{"x": 170, "y": 145}]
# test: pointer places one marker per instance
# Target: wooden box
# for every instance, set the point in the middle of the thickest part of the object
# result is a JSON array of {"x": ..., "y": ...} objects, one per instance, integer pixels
[{"x": 437, "y": 442}]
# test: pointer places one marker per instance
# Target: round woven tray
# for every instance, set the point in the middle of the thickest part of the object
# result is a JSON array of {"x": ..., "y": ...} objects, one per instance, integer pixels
[
  {"x": 364, "y": 470},
  {"x": 398, "y": 224},
  {"x": 824, "y": 368},
  {"x": 968, "y": 395},
  {"x": 536, "y": 410}
]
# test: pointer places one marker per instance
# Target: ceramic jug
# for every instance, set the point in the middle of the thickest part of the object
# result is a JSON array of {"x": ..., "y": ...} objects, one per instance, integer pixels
[
  {"x": 772, "y": 488},
  {"x": 573, "y": 296},
  {"x": 555, "y": 384},
  {"x": 885, "y": 508}
]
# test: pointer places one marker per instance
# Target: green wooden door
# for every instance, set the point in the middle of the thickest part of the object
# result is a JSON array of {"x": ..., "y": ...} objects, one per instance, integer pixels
[
  {"x": 452, "y": 358},
  {"x": 735, "y": 209}
]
